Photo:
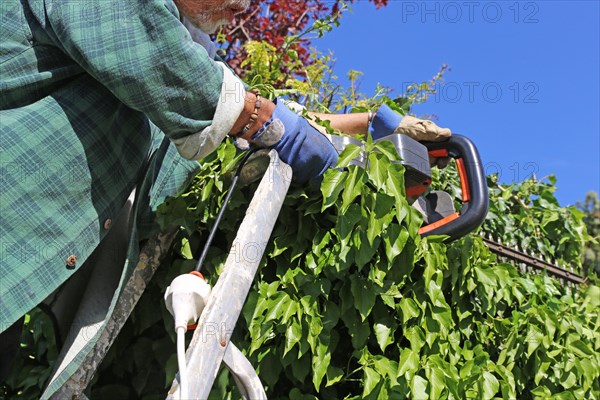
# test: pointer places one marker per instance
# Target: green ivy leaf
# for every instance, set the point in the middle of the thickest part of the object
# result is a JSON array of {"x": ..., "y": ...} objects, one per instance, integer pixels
[
  {"x": 371, "y": 380},
  {"x": 346, "y": 221},
  {"x": 581, "y": 349},
  {"x": 353, "y": 187},
  {"x": 186, "y": 250},
  {"x": 366, "y": 252},
  {"x": 388, "y": 150},
  {"x": 437, "y": 381},
  {"x": 383, "y": 333},
  {"x": 349, "y": 153},
  {"x": 320, "y": 362},
  {"x": 301, "y": 368},
  {"x": 416, "y": 337},
  {"x": 490, "y": 385},
  {"x": 542, "y": 391},
  {"x": 534, "y": 339},
  {"x": 409, "y": 308},
  {"x": 331, "y": 187},
  {"x": 386, "y": 367},
  {"x": 293, "y": 335},
  {"x": 419, "y": 388},
  {"x": 334, "y": 375},
  {"x": 395, "y": 239},
  {"x": 374, "y": 228},
  {"x": 409, "y": 362},
  {"x": 395, "y": 186},
  {"x": 378, "y": 170},
  {"x": 364, "y": 295},
  {"x": 541, "y": 367}
]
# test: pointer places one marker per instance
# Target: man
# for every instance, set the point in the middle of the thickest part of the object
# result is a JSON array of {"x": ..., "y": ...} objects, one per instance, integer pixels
[{"x": 102, "y": 98}]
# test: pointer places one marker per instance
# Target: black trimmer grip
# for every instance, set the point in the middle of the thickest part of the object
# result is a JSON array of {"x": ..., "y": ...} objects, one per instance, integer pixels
[{"x": 473, "y": 185}]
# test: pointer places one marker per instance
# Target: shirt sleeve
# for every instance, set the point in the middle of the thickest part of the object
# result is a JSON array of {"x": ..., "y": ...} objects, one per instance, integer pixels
[{"x": 144, "y": 55}]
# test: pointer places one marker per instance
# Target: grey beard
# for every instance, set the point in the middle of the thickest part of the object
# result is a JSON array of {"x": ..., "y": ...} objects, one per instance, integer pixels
[{"x": 204, "y": 22}]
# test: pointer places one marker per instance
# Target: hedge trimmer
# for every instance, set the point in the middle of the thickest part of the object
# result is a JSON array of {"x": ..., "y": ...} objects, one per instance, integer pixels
[{"x": 437, "y": 207}]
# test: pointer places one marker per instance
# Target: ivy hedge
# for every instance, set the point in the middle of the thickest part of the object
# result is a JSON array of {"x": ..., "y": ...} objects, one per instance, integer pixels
[{"x": 351, "y": 302}]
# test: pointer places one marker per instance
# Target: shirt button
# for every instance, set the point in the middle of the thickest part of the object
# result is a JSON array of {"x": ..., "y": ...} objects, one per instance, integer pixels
[
  {"x": 71, "y": 261},
  {"x": 107, "y": 224}
]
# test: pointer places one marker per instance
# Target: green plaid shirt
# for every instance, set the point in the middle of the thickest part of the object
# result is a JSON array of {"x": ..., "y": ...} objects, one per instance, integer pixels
[{"x": 89, "y": 89}]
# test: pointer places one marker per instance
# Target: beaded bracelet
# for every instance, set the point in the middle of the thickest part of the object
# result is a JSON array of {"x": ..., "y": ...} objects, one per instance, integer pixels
[{"x": 254, "y": 115}]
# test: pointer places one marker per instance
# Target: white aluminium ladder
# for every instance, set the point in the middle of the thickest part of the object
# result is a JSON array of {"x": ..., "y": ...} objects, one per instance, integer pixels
[{"x": 211, "y": 344}]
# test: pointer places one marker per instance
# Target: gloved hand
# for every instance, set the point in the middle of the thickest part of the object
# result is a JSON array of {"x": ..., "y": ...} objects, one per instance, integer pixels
[
  {"x": 387, "y": 122},
  {"x": 299, "y": 145}
]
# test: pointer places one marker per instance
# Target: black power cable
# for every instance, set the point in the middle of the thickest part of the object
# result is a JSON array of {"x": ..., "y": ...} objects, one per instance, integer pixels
[{"x": 213, "y": 230}]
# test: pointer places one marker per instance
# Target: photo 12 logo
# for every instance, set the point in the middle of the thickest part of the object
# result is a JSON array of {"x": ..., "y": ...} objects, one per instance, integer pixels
[
  {"x": 514, "y": 172},
  {"x": 453, "y": 12},
  {"x": 472, "y": 92}
]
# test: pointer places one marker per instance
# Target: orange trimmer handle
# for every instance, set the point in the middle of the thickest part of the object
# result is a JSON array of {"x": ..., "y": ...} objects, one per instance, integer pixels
[{"x": 473, "y": 184}]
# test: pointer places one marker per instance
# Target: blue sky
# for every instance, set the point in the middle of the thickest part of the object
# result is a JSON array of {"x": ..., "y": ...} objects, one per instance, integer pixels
[{"x": 524, "y": 83}]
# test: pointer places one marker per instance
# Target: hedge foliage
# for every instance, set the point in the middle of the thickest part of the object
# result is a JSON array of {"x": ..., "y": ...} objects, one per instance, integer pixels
[{"x": 351, "y": 303}]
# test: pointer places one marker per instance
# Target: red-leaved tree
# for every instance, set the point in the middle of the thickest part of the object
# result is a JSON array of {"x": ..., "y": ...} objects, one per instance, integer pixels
[{"x": 274, "y": 20}]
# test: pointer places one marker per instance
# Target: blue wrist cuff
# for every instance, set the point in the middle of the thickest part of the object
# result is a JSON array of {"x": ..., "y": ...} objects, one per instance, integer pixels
[{"x": 384, "y": 123}]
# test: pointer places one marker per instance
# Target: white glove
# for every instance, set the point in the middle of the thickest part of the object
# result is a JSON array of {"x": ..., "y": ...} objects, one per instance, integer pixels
[
  {"x": 387, "y": 122},
  {"x": 422, "y": 130}
]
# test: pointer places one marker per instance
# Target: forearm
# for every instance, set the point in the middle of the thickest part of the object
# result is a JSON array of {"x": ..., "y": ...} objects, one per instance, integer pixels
[
  {"x": 264, "y": 114},
  {"x": 355, "y": 124}
]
